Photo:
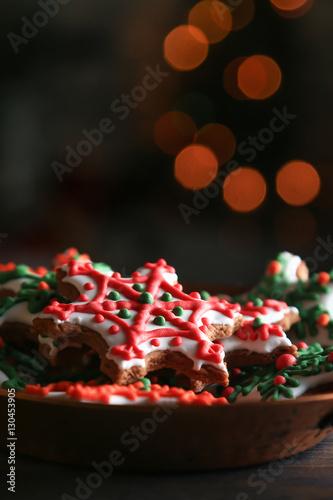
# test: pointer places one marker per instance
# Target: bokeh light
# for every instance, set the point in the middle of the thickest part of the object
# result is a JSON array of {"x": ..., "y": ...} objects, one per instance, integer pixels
[
  {"x": 294, "y": 227},
  {"x": 291, "y": 9},
  {"x": 259, "y": 77},
  {"x": 242, "y": 14},
  {"x": 199, "y": 106},
  {"x": 219, "y": 139},
  {"x": 297, "y": 182},
  {"x": 213, "y": 18},
  {"x": 230, "y": 78},
  {"x": 244, "y": 189},
  {"x": 173, "y": 131},
  {"x": 185, "y": 48},
  {"x": 195, "y": 167}
]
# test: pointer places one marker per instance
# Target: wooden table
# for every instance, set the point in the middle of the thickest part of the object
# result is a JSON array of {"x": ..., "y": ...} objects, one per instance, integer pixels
[{"x": 308, "y": 476}]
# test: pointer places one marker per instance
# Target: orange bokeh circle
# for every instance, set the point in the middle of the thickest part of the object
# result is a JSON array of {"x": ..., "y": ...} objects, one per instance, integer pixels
[
  {"x": 195, "y": 167},
  {"x": 242, "y": 14},
  {"x": 213, "y": 18},
  {"x": 185, "y": 47},
  {"x": 297, "y": 183},
  {"x": 244, "y": 189},
  {"x": 288, "y": 4},
  {"x": 219, "y": 139},
  {"x": 293, "y": 12},
  {"x": 173, "y": 131},
  {"x": 259, "y": 77}
]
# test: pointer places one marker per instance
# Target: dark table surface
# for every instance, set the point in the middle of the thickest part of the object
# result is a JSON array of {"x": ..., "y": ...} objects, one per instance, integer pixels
[{"x": 308, "y": 476}]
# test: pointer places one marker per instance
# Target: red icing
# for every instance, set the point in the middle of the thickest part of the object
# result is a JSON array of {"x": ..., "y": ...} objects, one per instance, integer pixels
[
  {"x": 235, "y": 372},
  {"x": 302, "y": 345},
  {"x": 284, "y": 361},
  {"x": 177, "y": 341},
  {"x": 323, "y": 319},
  {"x": 41, "y": 270},
  {"x": 273, "y": 267},
  {"x": 104, "y": 393},
  {"x": 114, "y": 329},
  {"x": 1, "y": 343},
  {"x": 8, "y": 267},
  {"x": 69, "y": 254},
  {"x": 83, "y": 298},
  {"x": 247, "y": 332},
  {"x": 227, "y": 391},
  {"x": 89, "y": 286},
  {"x": 330, "y": 357},
  {"x": 135, "y": 331},
  {"x": 43, "y": 286},
  {"x": 323, "y": 278},
  {"x": 155, "y": 342},
  {"x": 249, "y": 309},
  {"x": 279, "y": 380}
]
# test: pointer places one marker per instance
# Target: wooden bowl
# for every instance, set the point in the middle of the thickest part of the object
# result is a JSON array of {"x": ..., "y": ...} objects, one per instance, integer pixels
[{"x": 187, "y": 438}]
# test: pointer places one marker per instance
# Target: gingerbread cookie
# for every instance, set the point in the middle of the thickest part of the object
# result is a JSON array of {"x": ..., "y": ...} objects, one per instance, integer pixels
[
  {"x": 287, "y": 378},
  {"x": 314, "y": 299},
  {"x": 142, "y": 323},
  {"x": 281, "y": 276}
]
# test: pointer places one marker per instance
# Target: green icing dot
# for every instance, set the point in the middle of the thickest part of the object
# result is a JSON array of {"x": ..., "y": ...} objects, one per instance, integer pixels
[
  {"x": 178, "y": 311},
  {"x": 124, "y": 313},
  {"x": 166, "y": 297},
  {"x": 159, "y": 321},
  {"x": 257, "y": 322},
  {"x": 204, "y": 295},
  {"x": 138, "y": 287},
  {"x": 146, "y": 298},
  {"x": 101, "y": 267},
  {"x": 114, "y": 295},
  {"x": 258, "y": 302},
  {"x": 146, "y": 382}
]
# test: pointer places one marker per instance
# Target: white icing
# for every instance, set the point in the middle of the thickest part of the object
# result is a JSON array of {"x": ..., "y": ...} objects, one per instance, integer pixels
[
  {"x": 273, "y": 316},
  {"x": 291, "y": 266},
  {"x": 234, "y": 343},
  {"x": 14, "y": 285},
  {"x": 3, "y": 377},
  {"x": 217, "y": 318},
  {"x": 326, "y": 300},
  {"x": 18, "y": 313}
]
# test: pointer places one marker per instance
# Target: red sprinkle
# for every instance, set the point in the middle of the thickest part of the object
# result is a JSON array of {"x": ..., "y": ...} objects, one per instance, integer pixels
[
  {"x": 279, "y": 380},
  {"x": 323, "y": 319},
  {"x": 330, "y": 357},
  {"x": 114, "y": 329},
  {"x": 88, "y": 286},
  {"x": 1, "y": 343},
  {"x": 195, "y": 295},
  {"x": 235, "y": 372},
  {"x": 41, "y": 270},
  {"x": 10, "y": 361},
  {"x": 302, "y": 345},
  {"x": 155, "y": 342},
  {"x": 324, "y": 278},
  {"x": 284, "y": 361},
  {"x": 83, "y": 298},
  {"x": 99, "y": 318},
  {"x": 43, "y": 286},
  {"x": 176, "y": 341},
  {"x": 227, "y": 391},
  {"x": 273, "y": 267}
]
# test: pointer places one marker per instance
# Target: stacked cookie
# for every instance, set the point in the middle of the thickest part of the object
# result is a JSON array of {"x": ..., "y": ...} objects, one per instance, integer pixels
[{"x": 91, "y": 323}]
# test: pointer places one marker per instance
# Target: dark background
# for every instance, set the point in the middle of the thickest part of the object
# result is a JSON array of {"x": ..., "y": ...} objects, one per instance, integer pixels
[{"x": 121, "y": 203}]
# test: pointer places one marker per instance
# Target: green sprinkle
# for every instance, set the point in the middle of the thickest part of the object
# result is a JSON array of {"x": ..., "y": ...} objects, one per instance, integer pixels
[
  {"x": 124, "y": 313},
  {"x": 146, "y": 382},
  {"x": 258, "y": 302},
  {"x": 114, "y": 295},
  {"x": 178, "y": 311},
  {"x": 204, "y": 295},
  {"x": 138, "y": 287},
  {"x": 257, "y": 322},
  {"x": 146, "y": 298},
  {"x": 166, "y": 297},
  {"x": 159, "y": 321}
]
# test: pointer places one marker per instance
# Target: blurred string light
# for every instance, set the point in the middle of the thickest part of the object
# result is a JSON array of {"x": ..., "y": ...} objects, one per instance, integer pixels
[
  {"x": 173, "y": 131},
  {"x": 294, "y": 227},
  {"x": 213, "y": 18},
  {"x": 244, "y": 189},
  {"x": 256, "y": 77},
  {"x": 242, "y": 14},
  {"x": 219, "y": 139},
  {"x": 259, "y": 77},
  {"x": 185, "y": 47},
  {"x": 199, "y": 106},
  {"x": 297, "y": 183},
  {"x": 291, "y": 8},
  {"x": 196, "y": 166}
]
